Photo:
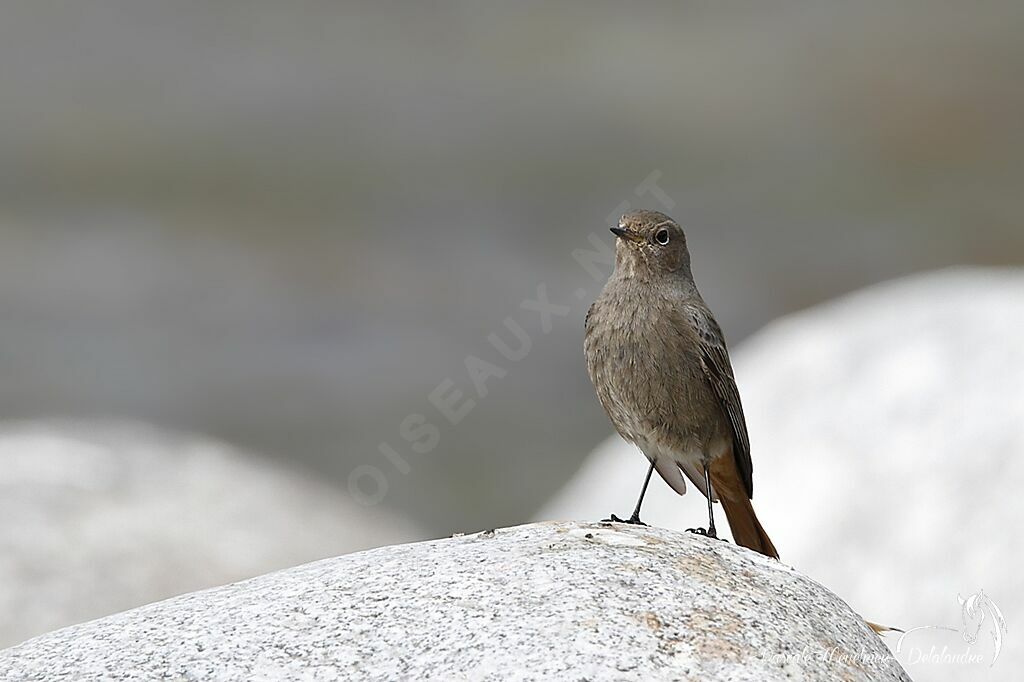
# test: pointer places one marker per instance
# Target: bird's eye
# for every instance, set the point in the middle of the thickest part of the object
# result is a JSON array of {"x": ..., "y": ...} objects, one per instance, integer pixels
[{"x": 661, "y": 236}]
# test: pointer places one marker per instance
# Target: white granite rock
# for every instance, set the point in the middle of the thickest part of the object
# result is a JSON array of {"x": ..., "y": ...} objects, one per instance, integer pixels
[
  {"x": 98, "y": 518},
  {"x": 887, "y": 434},
  {"x": 541, "y": 602}
]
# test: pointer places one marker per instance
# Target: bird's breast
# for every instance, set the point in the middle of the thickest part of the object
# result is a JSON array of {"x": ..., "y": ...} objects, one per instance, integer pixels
[{"x": 647, "y": 369}]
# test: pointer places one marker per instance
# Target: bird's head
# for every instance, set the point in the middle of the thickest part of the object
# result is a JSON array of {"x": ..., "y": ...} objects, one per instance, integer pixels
[{"x": 651, "y": 242}]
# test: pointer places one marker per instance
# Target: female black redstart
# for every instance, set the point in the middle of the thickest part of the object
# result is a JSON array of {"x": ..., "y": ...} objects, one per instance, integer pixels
[{"x": 661, "y": 368}]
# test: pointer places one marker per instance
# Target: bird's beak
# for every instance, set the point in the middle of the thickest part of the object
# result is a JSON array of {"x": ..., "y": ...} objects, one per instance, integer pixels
[{"x": 628, "y": 235}]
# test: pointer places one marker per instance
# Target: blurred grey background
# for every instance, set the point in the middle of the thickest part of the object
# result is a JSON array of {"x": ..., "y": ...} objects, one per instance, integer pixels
[{"x": 283, "y": 224}]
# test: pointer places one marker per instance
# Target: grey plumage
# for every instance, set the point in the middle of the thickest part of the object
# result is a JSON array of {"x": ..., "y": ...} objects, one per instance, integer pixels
[{"x": 661, "y": 368}]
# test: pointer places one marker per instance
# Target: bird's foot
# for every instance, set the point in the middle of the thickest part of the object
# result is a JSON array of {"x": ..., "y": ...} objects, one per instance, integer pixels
[
  {"x": 706, "y": 533},
  {"x": 632, "y": 520}
]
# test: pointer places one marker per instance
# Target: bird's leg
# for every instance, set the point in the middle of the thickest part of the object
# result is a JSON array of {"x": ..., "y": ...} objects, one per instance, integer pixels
[
  {"x": 635, "y": 518},
  {"x": 710, "y": 532},
  {"x": 711, "y": 505}
]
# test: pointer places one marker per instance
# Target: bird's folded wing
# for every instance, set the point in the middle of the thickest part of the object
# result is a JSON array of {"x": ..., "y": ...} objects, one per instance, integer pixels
[{"x": 718, "y": 369}]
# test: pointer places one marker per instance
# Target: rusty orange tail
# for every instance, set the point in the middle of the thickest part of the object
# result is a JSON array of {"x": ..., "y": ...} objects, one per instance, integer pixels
[{"x": 746, "y": 529}]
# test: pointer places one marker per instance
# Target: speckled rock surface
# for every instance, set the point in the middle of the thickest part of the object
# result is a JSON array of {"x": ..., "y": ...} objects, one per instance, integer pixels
[{"x": 546, "y": 601}]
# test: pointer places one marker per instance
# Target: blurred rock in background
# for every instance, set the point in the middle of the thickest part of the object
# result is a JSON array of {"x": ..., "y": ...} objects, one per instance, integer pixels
[
  {"x": 886, "y": 437},
  {"x": 284, "y": 225},
  {"x": 102, "y": 517}
]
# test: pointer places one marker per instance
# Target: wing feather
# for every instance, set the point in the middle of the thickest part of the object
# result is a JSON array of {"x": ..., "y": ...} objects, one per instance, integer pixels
[{"x": 718, "y": 369}]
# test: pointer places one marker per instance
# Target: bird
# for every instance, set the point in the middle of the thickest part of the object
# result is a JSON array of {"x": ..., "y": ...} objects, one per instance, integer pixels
[{"x": 661, "y": 369}]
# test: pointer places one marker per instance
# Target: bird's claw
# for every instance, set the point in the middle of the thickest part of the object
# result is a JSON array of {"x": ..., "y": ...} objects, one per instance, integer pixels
[
  {"x": 632, "y": 520},
  {"x": 706, "y": 533}
]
